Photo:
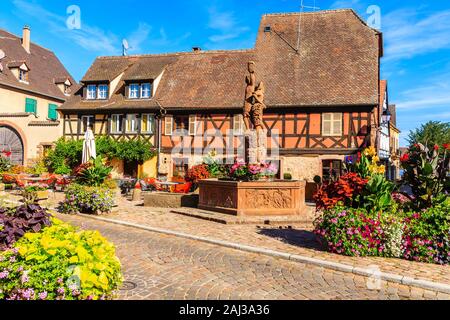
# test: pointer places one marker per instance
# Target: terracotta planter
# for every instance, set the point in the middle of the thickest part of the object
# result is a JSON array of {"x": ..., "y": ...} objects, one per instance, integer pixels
[{"x": 42, "y": 195}]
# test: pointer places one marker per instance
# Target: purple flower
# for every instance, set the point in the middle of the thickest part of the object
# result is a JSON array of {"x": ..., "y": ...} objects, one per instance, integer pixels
[
  {"x": 12, "y": 259},
  {"x": 28, "y": 294},
  {"x": 20, "y": 269},
  {"x": 60, "y": 280},
  {"x": 43, "y": 295},
  {"x": 76, "y": 292},
  {"x": 24, "y": 278},
  {"x": 61, "y": 291},
  {"x": 4, "y": 274}
]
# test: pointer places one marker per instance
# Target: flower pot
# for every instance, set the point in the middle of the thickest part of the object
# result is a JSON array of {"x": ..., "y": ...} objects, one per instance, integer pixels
[{"x": 42, "y": 195}]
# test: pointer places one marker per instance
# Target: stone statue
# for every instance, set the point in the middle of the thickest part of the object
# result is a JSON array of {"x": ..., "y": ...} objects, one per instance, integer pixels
[
  {"x": 253, "y": 113},
  {"x": 250, "y": 80}
]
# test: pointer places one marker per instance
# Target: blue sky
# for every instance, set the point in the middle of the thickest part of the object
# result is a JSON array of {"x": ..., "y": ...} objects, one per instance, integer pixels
[{"x": 416, "y": 37}]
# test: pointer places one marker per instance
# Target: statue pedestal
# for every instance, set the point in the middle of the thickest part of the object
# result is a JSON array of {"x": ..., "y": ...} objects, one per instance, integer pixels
[
  {"x": 256, "y": 146},
  {"x": 257, "y": 198}
]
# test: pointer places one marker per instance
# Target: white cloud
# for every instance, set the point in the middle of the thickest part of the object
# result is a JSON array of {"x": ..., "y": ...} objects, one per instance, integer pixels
[
  {"x": 139, "y": 36},
  {"x": 88, "y": 37},
  {"x": 225, "y": 24},
  {"x": 344, "y": 4},
  {"x": 408, "y": 35}
]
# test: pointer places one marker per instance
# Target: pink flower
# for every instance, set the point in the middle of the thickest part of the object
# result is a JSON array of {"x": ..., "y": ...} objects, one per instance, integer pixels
[{"x": 43, "y": 295}]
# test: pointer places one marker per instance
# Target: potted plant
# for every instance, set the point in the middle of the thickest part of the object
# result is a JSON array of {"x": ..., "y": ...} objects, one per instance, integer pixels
[{"x": 35, "y": 192}]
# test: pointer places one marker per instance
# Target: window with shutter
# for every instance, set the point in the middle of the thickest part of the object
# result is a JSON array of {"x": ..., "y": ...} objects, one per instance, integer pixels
[
  {"x": 147, "y": 123},
  {"x": 30, "y": 105},
  {"x": 168, "y": 125},
  {"x": 192, "y": 125},
  {"x": 52, "y": 113},
  {"x": 116, "y": 123},
  {"x": 238, "y": 124},
  {"x": 332, "y": 124}
]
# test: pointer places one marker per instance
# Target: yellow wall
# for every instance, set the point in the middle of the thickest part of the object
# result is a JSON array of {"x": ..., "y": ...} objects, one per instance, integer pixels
[
  {"x": 149, "y": 168},
  {"x": 12, "y": 101}
]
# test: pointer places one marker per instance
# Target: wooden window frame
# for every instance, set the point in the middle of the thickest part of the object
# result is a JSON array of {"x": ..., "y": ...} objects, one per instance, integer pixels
[
  {"x": 150, "y": 123},
  {"x": 50, "y": 106},
  {"x": 129, "y": 122},
  {"x": 118, "y": 122},
  {"x": 332, "y": 120},
  {"x": 138, "y": 92},
  {"x": 168, "y": 120},
  {"x": 192, "y": 126},
  {"x": 94, "y": 91},
  {"x": 106, "y": 91},
  {"x": 238, "y": 130},
  {"x": 149, "y": 90},
  {"x": 88, "y": 122},
  {"x": 32, "y": 101}
]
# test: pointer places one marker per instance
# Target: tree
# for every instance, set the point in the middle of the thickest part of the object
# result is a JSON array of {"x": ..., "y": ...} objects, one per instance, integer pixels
[{"x": 430, "y": 134}]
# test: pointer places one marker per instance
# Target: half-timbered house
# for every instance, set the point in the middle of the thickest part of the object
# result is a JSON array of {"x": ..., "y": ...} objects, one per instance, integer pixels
[{"x": 321, "y": 72}]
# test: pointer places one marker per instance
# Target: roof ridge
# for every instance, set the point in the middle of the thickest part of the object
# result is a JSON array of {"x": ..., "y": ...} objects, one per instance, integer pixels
[
  {"x": 301, "y": 13},
  {"x": 172, "y": 54},
  {"x": 323, "y": 12}
]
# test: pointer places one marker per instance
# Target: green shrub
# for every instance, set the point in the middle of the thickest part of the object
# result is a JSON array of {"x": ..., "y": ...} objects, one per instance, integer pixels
[
  {"x": 59, "y": 263},
  {"x": 84, "y": 199},
  {"x": 94, "y": 173},
  {"x": 5, "y": 164},
  {"x": 67, "y": 153},
  {"x": 427, "y": 173}
]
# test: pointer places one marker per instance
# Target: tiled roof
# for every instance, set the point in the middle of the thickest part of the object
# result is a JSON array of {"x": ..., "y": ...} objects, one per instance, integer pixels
[
  {"x": 44, "y": 66},
  {"x": 336, "y": 64}
]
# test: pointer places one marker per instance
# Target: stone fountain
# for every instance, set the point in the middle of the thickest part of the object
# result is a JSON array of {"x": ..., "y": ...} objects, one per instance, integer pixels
[{"x": 256, "y": 198}]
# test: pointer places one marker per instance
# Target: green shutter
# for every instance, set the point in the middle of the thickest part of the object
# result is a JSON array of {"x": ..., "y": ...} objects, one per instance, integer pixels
[
  {"x": 30, "y": 105},
  {"x": 52, "y": 113}
]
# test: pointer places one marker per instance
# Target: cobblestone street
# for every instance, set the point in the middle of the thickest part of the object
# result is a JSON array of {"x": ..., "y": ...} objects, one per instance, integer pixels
[{"x": 158, "y": 267}]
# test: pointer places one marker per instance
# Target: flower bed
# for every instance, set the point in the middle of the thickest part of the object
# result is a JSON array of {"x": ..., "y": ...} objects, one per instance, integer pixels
[
  {"x": 362, "y": 215},
  {"x": 51, "y": 260},
  {"x": 85, "y": 199}
]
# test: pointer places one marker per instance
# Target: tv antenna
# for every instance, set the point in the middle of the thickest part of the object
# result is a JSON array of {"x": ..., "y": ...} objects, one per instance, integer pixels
[
  {"x": 302, "y": 10},
  {"x": 125, "y": 47}
]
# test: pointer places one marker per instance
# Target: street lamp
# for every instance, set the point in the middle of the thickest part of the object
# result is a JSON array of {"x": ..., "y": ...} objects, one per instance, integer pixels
[{"x": 386, "y": 117}]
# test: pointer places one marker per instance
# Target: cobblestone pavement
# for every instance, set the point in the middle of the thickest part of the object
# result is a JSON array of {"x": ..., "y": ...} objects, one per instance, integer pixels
[
  {"x": 293, "y": 239},
  {"x": 159, "y": 267}
]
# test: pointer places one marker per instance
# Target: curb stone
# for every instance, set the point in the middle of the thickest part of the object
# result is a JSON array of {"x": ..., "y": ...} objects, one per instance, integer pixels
[{"x": 391, "y": 277}]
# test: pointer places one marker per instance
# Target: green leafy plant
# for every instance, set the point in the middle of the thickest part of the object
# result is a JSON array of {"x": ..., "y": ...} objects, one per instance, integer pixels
[
  {"x": 377, "y": 194},
  {"x": 5, "y": 164},
  {"x": 85, "y": 199},
  {"x": 67, "y": 153},
  {"x": 60, "y": 263},
  {"x": 427, "y": 173},
  {"x": 93, "y": 173}
]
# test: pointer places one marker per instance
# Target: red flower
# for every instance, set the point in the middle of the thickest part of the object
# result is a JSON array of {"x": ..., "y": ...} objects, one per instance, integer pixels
[
  {"x": 446, "y": 146},
  {"x": 436, "y": 147},
  {"x": 404, "y": 158}
]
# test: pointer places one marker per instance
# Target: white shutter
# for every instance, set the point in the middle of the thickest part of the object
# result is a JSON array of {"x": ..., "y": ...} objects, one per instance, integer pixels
[
  {"x": 168, "y": 125},
  {"x": 192, "y": 125}
]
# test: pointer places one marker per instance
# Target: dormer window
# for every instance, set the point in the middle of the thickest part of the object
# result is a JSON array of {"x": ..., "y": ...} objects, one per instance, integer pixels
[
  {"x": 140, "y": 91},
  {"x": 66, "y": 89},
  {"x": 91, "y": 92},
  {"x": 23, "y": 75},
  {"x": 146, "y": 91},
  {"x": 134, "y": 91},
  {"x": 103, "y": 91},
  {"x": 97, "y": 92},
  {"x": 20, "y": 70}
]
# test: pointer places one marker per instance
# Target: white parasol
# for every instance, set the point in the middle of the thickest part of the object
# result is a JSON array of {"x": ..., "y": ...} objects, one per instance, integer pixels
[{"x": 89, "y": 150}]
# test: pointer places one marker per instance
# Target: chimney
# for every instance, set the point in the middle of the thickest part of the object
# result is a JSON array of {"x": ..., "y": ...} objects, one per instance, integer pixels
[
  {"x": 26, "y": 38},
  {"x": 196, "y": 49}
]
